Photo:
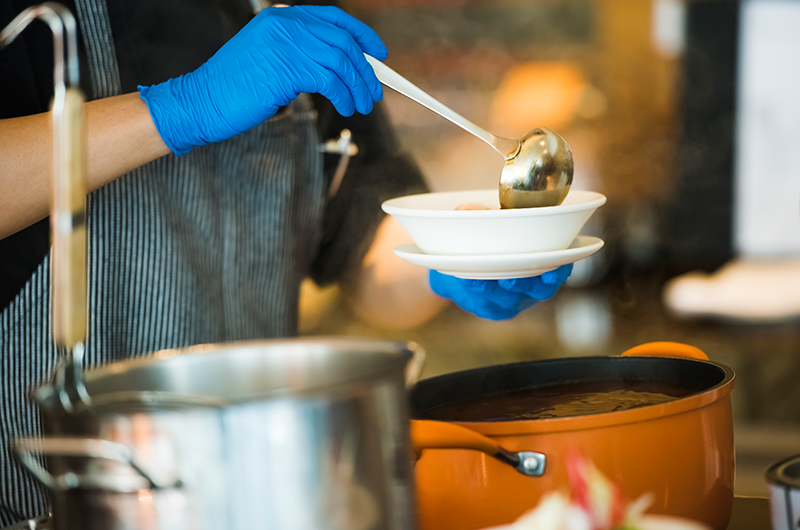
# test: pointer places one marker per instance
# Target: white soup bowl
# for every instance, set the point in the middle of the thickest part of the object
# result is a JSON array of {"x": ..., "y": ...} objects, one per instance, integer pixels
[{"x": 432, "y": 221}]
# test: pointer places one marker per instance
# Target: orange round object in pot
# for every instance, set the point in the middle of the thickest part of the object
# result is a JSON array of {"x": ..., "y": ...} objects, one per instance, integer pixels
[{"x": 682, "y": 450}]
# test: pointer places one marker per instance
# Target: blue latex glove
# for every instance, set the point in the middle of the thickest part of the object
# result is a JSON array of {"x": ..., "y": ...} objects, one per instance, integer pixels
[
  {"x": 499, "y": 299},
  {"x": 281, "y": 53}
]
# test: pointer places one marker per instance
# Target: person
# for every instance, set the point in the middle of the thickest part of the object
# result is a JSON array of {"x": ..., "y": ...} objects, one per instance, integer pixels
[{"x": 208, "y": 193}]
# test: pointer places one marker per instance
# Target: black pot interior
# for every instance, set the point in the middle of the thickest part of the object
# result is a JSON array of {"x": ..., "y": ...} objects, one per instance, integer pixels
[{"x": 435, "y": 397}]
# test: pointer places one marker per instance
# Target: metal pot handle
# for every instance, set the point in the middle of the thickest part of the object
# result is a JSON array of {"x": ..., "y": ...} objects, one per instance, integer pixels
[
  {"x": 428, "y": 434},
  {"x": 24, "y": 449}
]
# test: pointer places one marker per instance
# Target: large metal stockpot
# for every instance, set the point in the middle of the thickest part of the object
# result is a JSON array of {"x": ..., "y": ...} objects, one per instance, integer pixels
[{"x": 306, "y": 434}]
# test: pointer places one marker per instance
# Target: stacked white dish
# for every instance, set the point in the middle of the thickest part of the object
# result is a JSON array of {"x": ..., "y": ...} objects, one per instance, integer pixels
[{"x": 493, "y": 243}]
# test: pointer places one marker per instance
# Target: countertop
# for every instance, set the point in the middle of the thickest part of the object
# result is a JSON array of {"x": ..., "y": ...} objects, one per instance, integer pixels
[{"x": 750, "y": 513}]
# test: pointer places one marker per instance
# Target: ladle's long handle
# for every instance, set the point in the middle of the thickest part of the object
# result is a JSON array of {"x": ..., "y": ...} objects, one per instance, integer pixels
[
  {"x": 67, "y": 216},
  {"x": 68, "y": 231},
  {"x": 507, "y": 147},
  {"x": 68, "y": 220}
]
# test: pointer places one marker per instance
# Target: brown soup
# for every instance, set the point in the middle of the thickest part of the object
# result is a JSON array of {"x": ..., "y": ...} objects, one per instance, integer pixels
[{"x": 559, "y": 401}]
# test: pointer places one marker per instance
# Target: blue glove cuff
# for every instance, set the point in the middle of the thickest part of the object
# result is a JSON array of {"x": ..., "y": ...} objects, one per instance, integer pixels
[
  {"x": 167, "y": 117},
  {"x": 182, "y": 116}
]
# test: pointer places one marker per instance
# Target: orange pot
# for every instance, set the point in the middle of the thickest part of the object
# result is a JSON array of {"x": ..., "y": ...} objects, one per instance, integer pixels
[{"x": 681, "y": 451}]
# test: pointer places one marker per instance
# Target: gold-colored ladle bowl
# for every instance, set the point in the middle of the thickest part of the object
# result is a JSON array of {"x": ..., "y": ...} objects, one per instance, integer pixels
[{"x": 538, "y": 169}]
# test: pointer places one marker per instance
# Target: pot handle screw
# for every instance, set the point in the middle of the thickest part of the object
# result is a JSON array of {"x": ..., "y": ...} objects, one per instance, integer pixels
[{"x": 528, "y": 463}]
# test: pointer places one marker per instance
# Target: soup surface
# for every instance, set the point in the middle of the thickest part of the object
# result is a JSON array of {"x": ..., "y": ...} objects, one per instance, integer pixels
[{"x": 558, "y": 401}]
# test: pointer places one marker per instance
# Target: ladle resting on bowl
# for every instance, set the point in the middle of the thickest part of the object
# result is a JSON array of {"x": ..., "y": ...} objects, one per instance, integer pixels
[{"x": 538, "y": 169}]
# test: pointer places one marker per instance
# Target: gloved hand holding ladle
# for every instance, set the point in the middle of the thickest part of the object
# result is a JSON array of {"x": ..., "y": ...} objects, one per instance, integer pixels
[{"x": 538, "y": 168}]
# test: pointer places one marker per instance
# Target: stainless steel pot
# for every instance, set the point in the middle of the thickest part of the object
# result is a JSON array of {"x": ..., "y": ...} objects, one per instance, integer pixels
[
  {"x": 300, "y": 433},
  {"x": 783, "y": 479}
]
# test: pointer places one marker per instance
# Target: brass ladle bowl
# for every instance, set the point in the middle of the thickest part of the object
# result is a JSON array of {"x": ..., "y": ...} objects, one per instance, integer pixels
[{"x": 538, "y": 169}]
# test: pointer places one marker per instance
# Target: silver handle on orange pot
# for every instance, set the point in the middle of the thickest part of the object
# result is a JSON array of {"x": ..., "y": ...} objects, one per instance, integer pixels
[
  {"x": 92, "y": 448},
  {"x": 430, "y": 434},
  {"x": 67, "y": 216}
]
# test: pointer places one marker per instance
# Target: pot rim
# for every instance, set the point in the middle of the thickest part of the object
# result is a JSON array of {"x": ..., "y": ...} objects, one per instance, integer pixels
[
  {"x": 159, "y": 399},
  {"x": 776, "y": 474},
  {"x": 695, "y": 401}
]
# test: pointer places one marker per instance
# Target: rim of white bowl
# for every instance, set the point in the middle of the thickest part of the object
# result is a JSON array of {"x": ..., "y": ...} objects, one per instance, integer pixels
[{"x": 593, "y": 199}]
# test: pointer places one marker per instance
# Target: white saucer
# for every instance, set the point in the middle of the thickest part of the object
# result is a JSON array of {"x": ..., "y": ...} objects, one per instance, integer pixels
[{"x": 495, "y": 267}]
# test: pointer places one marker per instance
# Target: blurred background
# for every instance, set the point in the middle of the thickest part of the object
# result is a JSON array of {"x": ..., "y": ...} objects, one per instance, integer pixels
[{"x": 684, "y": 115}]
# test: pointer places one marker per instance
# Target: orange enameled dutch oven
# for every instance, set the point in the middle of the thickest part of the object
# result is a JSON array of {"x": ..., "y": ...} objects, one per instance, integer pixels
[{"x": 472, "y": 474}]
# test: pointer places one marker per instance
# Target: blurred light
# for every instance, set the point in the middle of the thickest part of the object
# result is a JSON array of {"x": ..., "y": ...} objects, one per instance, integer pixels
[
  {"x": 669, "y": 27},
  {"x": 314, "y": 304},
  {"x": 766, "y": 175},
  {"x": 539, "y": 95},
  {"x": 587, "y": 271},
  {"x": 640, "y": 239},
  {"x": 583, "y": 320},
  {"x": 593, "y": 104}
]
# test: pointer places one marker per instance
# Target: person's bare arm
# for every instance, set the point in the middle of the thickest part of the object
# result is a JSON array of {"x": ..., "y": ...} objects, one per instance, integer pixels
[
  {"x": 120, "y": 136},
  {"x": 388, "y": 292}
]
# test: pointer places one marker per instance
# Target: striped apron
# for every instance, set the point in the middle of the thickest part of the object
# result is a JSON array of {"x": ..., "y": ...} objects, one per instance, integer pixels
[{"x": 208, "y": 247}]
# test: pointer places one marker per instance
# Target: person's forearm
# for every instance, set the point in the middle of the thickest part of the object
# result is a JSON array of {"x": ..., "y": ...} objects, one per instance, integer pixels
[
  {"x": 120, "y": 137},
  {"x": 389, "y": 292}
]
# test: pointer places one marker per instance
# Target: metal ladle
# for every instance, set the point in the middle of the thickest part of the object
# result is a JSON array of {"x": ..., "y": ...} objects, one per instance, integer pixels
[
  {"x": 538, "y": 169},
  {"x": 67, "y": 215}
]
